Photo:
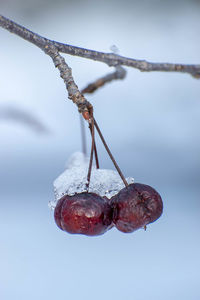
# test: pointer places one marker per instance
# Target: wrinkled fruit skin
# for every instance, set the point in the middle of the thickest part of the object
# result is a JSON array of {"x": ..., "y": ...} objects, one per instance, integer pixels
[
  {"x": 84, "y": 213},
  {"x": 136, "y": 206}
]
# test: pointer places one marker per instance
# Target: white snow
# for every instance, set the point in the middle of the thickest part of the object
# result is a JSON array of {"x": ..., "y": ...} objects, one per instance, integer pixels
[{"x": 103, "y": 182}]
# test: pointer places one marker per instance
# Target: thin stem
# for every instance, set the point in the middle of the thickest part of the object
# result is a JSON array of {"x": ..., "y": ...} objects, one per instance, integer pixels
[
  {"x": 110, "y": 154},
  {"x": 95, "y": 149},
  {"x": 91, "y": 156}
]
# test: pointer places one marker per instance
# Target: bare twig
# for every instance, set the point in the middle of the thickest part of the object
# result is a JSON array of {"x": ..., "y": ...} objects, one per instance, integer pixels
[
  {"x": 119, "y": 73},
  {"x": 110, "y": 59},
  {"x": 91, "y": 153},
  {"x": 65, "y": 73}
]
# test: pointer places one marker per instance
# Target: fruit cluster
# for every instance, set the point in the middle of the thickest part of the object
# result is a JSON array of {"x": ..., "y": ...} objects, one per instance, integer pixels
[{"x": 87, "y": 213}]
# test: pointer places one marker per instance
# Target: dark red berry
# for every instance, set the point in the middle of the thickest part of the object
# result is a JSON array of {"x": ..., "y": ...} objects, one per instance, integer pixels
[
  {"x": 136, "y": 206},
  {"x": 84, "y": 213}
]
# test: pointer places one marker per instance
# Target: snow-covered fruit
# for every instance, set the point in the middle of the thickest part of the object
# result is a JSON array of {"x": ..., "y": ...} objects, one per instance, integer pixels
[
  {"x": 84, "y": 213},
  {"x": 136, "y": 206}
]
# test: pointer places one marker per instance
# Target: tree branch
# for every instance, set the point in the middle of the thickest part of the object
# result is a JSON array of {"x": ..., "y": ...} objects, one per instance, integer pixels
[
  {"x": 66, "y": 74},
  {"x": 119, "y": 73},
  {"x": 110, "y": 59}
]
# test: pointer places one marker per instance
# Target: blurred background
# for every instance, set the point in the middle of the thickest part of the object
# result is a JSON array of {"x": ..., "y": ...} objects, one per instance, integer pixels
[{"x": 151, "y": 122}]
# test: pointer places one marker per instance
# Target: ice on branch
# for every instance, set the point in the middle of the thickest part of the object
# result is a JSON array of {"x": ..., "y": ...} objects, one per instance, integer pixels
[{"x": 73, "y": 180}]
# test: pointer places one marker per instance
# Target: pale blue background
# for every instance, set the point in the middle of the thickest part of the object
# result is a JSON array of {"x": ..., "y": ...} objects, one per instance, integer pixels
[{"x": 151, "y": 122}]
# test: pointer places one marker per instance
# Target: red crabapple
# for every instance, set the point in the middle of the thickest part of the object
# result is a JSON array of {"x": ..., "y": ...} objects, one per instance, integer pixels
[
  {"x": 136, "y": 206},
  {"x": 84, "y": 213}
]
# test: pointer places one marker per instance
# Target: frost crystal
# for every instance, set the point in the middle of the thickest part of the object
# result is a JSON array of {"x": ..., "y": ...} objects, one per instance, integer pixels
[{"x": 73, "y": 180}]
